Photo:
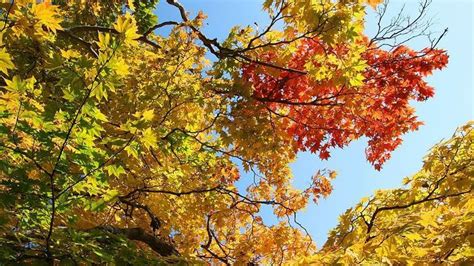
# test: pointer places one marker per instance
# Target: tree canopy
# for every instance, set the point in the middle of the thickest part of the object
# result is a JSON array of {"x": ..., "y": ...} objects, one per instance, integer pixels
[
  {"x": 119, "y": 144},
  {"x": 429, "y": 220}
]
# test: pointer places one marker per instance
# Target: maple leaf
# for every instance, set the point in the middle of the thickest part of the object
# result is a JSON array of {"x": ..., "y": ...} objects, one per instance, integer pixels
[
  {"x": 149, "y": 138},
  {"x": 148, "y": 115},
  {"x": 47, "y": 15},
  {"x": 5, "y": 61},
  {"x": 126, "y": 25}
]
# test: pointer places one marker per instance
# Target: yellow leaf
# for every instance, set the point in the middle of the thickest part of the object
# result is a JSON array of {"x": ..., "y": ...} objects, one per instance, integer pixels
[
  {"x": 131, "y": 5},
  {"x": 148, "y": 115},
  {"x": 120, "y": 66},
  {"x": 149, "y": 138},
  {"x": 131, "y": 151},
  {"x": 427, "y": 219},
  {"x": 104, "y": 40},
  {"x": 413, "y": 236},
  {"x": 70, "y": 54},
  {"x": 127, "y": 26},
  {"x": 114, "y": 170},
  {"x": 47, "y": 15},
  {"x": 117, "y": 217},
  {"x": 5, "y": 61},
  {"x": 15, "y": 84}
]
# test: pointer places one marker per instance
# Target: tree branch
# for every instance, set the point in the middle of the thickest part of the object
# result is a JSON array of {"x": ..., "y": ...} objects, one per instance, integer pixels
[{"x": 158, "y": 245}]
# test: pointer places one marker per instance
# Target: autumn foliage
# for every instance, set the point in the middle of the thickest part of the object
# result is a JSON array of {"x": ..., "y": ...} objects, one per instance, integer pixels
[
  {"x": 122, "y": 144},
  {"x": 326, "y": 112},
  {"x": 431, "y": 217}
]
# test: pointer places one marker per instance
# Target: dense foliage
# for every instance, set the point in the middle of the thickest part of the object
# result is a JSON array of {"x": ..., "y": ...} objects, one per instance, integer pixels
[
  {"x": 119, "y": 144},
  {"x": 429, "y": 220}
]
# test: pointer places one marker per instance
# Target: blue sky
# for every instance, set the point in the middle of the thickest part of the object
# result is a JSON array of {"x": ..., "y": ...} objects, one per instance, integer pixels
[{"x": 451, "y": 106}]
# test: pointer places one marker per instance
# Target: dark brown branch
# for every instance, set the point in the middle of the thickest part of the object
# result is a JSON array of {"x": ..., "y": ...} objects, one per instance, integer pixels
[
  {"x": 158, "y": 245},
  {"x": 404, "y": 206},
  {"x": 222, "y": 52},
  {"x": 268, "y": 64},
  {"x": 155, "y": 222},
  {"x": 86, "y": 28},
  {"x": 160, "y": 25},
  {"x": 180, "y": 7},
  {"x": 27, "y": 156},
  {"x": 79, "y": 40},
  {"x": 5, "y": 19},
  {"x": 289, "y": 102},
  {"x": 401, "y": 29},
  {"x": 274, "y": 20},
  {"x": 93, "y": 85},
  {"x": 179, "y": 193},
  {"x": 209, "y": 241}
]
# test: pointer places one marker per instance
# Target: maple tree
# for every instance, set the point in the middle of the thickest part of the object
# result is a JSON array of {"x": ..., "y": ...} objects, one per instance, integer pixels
[
  {"x": 428, "y": 222},
  {"x": 119, "y": 144}
]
